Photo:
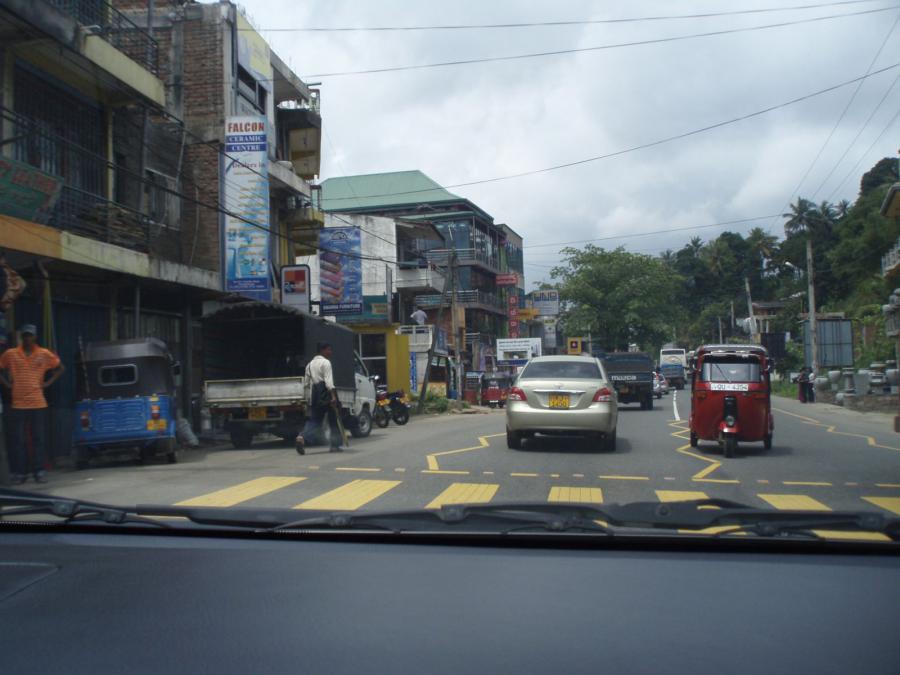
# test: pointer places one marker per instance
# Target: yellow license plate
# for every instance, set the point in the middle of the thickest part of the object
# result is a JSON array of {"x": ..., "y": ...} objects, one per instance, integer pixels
[
  {"x": 256, "y": 414},
  {"x": 156, "y": 425},
  {"x": 559, "y": 401}
]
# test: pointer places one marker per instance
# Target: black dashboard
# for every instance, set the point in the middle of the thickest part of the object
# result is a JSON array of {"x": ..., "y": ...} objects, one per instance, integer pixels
[{"x": 101, "y": 603}]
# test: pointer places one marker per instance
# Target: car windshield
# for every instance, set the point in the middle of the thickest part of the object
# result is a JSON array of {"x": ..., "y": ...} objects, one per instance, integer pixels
[
  {"x": 565, "y": 370},
  {"x": 720, "y": 370},
  {"x": 339, "y": 258}
]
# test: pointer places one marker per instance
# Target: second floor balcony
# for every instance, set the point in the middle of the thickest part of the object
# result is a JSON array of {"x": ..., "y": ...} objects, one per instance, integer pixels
[
  {"x": 415, "y": 278},
  {"x": 464, "y": 256},
  {"x": 105, "y": 21},
  {"x": 469, "y": 298}
]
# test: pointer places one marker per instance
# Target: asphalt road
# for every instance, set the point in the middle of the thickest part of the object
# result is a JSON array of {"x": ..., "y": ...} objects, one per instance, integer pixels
[{"x": 823, "y": 457}]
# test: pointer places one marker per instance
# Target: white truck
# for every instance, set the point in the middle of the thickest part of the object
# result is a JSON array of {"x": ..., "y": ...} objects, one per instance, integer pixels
[{"x": 254, "y": 360}]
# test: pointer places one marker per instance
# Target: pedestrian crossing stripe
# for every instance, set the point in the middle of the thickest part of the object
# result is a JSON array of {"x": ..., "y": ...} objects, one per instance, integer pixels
[
  {"x": 891, "y": 504},
  {"x": 349, "y": 497},
  {"x": 807, "y": 503},
  {"x": 465, "y": 493},
  {"x": 242, "y": 492},
  {"x": 575, "y": 495}
]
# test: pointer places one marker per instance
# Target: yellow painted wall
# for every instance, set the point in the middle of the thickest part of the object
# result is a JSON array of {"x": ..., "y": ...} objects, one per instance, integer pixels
[{"x": 396, "y": 352}]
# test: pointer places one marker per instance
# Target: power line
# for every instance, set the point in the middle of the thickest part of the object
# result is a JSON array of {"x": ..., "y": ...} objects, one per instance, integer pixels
[
  {"x": 868, "y": 150},
  {"x": 537, "y": 24},
  {"x": 634, "y": 148},
  {"x": 856, "y": 138},
  {"x": 723, "y": 223},
  {"x": 839, "y": 119},
  {"x": 577, "y": 50}
]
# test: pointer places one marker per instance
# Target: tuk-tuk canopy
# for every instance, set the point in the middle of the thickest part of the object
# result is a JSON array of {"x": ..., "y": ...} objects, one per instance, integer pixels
[{"x": 138, "y": 348}]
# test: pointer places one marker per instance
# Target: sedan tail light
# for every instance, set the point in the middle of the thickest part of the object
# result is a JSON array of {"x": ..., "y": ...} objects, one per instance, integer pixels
[
  {"x": 516, "y": 394},
  {"x": 603, "y": 395}
]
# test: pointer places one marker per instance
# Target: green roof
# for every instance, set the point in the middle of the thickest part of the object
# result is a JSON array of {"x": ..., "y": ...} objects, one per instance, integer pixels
[{"x": 375, "y": 191}]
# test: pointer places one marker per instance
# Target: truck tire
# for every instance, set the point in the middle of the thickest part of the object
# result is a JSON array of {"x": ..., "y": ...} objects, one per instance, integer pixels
[
  {"x": 169, "y": 448},
  {"x": 81, "y": 456},
  {"x": 241, "y": 438},
  {"x": 363, "y": 425},
  {"x": 649, "y": 402}
]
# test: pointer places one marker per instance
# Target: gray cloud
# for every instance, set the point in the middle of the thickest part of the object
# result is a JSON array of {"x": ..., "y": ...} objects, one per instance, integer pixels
[{"x": 471, "y": 122}]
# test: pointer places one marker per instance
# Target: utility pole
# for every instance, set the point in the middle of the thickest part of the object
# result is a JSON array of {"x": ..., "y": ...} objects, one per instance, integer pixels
[
  {"x": 437, "y": 324},
  {"x": 719, "y": 319},
  {"x": 454, "y": 322},
  {"x": 750, "y": 309},
  {"x": 813, "y": 328}
]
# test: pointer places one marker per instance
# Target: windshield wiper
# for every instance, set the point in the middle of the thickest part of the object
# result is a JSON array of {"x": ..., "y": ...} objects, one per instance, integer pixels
[
  {"x": 15, "y": 503},
  {"x": 495, "y": 518}
]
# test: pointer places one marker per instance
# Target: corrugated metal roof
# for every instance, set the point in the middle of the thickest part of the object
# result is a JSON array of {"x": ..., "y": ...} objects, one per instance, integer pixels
[{"x": 382, "y": 190}]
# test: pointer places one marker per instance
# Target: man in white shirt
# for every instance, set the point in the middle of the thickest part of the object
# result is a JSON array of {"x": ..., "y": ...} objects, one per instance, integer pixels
[
  {"x": 419, "y": 316},
  {"x": 323, "y": 402}
]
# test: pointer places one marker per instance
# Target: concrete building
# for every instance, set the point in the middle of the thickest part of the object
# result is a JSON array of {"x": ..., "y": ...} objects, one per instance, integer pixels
[
  {"x": 114, "y": 170},
  {"x": 393, "y": 268},
  {"x": 482, "y": 250}
]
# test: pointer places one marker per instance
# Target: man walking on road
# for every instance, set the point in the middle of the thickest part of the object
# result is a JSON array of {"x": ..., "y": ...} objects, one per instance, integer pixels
[
  {"x": 323, "y": 401},
  {"x": 24, "y": 369}
]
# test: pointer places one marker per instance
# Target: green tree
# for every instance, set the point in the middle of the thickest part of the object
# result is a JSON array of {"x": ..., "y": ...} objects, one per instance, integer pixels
[{"x": 617, "y": 296}]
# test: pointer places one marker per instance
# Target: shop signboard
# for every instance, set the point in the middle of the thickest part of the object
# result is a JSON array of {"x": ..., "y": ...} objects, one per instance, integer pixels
[
  {"x": 375, "y": 310},
  {"x": 295, "y": 286},
  {"x": 27, "y": 193},
  {"x": 510, "y": 279},
  {"x": 245, "y": 190},
  {"x": 340, "y": 270},
  {"x": 517, "y": 352},
  {"x": 545, "y": 302}
]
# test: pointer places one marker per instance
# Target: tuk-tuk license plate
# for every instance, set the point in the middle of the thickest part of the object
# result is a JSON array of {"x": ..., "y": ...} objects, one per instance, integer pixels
[
  {"x": 156, "y": 425},
  {"x": 256, "y": 414},
  {"x": 559, "y": 401}
]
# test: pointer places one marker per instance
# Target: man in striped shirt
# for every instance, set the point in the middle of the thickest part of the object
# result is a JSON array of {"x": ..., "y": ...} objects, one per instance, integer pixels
[{"x": 24, "y": 369}]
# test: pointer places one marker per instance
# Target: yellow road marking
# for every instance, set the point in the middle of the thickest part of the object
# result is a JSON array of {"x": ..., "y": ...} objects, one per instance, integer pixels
[
  {"x": 400, "y": 470},
  {"x": 242, "y": 492},
  {"x": 807, "y": 503},
  {"x": 669, "y": 478},
  {"x": 806, "y": 482},
  {"x": 488, "y": 473},
  {"x": 576, "y": 495},
  {"x": 764, "y": 482},
  {"x": 832, "y": 429},
  {"x": 352, "y": 468},
  {"x": 888, "y": 485},
  {"x": 683, "y": 433},
  {"x": 525, "y": 475},
  {"x": 578, "y": 475},
  {"x": 625, "y": 477},
  {"x": 891, "y": 504},
  {"x": 446, "y": 472},
  {"x": 482, "y": 443},
  {"x": 687, "y": 495},
  {"x": 554, "y": 475},
  {"x": 350, "y": 496},
  {"x": 465, "y": 493}
]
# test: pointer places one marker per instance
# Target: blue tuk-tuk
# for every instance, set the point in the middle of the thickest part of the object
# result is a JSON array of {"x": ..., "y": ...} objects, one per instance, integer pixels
[{"x": 125, "y": 398}]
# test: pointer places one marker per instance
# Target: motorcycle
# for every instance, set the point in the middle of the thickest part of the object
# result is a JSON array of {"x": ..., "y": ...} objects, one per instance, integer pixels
[{"x": 391, "y": 405}]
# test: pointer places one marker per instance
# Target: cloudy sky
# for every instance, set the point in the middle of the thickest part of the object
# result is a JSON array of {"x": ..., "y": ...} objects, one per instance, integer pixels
[{"x": 472, "y": 122}]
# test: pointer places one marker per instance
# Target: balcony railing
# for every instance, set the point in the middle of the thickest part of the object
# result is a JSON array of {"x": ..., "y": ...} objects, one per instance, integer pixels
[
  {"x": 891, "y": 259},
  {"x": 464, "y": 256},
  {"x": 419, "y": 278},
  {"x": 471, "y": 297},
  {"x": 419, "y": 336},
  {"x": 114, "y": 27}
]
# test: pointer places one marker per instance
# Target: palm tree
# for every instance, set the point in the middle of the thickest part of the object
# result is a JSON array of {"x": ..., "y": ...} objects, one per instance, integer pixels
[
  {"x": 695, "y": 245},
  {"x": 763, "y": 245},
  {"x": 842, "y": 208},
  {"x": 806, "y": 218}
]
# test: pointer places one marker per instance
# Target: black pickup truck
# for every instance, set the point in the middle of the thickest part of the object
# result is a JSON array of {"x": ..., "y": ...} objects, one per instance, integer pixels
[{"x": 632, "y": 375}]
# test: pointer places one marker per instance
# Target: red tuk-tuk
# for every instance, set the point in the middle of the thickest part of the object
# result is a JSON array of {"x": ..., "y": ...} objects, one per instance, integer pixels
[
  {"x": 730, "y": 401},
  {"x": 495, "y": 389}
]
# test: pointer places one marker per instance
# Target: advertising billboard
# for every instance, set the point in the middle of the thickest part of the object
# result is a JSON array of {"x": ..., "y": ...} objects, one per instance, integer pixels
[
  {"x": 517, "y": 352},
  {"x": 509, "y": 279},
  {"x": 245, "y": 193},
  {"x": 253, "y": 53},
  {"x": 549, "y": 332},
  {"x": 340, "y": 270},
  {"x": 545, "y": 302},
  {"x": 295, "y": 286}
]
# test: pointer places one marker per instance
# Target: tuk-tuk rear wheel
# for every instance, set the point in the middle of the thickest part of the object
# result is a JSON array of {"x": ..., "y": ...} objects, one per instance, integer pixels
[
  {"x": 730, "y": 447},
  {"x": 767, "y": 442},
  {"x": 694, "y": 440}
]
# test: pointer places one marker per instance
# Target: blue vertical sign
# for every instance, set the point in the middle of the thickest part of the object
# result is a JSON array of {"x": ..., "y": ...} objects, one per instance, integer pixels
[
  {"x": 340, "y": 270},
  {"x": 245, "y": 193}
]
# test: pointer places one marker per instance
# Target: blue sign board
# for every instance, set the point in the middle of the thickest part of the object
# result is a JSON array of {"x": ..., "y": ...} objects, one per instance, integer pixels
[
  {"x": 340, "y": 270},
  {"x": 245, "y": 193}
]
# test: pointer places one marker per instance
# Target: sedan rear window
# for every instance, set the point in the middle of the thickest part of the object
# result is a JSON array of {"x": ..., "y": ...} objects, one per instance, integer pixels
[{"x": 561, "y": 370}]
